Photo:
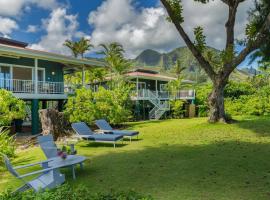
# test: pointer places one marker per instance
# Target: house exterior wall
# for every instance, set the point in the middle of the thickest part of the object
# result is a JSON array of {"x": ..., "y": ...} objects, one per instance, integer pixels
[
  {"x": 150, "y": 84},
  {"x": 49, "y": 66}
]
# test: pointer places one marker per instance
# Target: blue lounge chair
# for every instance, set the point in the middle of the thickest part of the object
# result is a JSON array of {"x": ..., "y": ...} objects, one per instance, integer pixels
[
  {"x": 48, "y": 178},
  {"x": 104, "y": 126},
  {"x": 48, "y": 146},
  {"x": 84, "y": 132}
]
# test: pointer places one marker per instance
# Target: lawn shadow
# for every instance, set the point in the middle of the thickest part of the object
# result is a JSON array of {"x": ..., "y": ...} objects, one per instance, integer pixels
[
  {"x": 259, "y": 125},
  {"x": 222, "y": 170}
]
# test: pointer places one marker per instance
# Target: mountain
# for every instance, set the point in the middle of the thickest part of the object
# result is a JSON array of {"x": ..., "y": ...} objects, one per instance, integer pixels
[{"x": 165, "y": 61}]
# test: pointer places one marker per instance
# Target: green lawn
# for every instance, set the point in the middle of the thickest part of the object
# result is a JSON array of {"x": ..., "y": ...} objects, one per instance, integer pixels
[{"x": 178, "y": 159}]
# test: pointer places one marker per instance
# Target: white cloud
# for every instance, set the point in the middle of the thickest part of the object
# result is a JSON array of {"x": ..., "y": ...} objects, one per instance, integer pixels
[
  {"x": 13, "y": 8},
  {"x": 59, "y": 27},
  {"x": 118, "y": 20},
  {"x": 7, "y": 26},
  {"x": 32, "y": 29}
]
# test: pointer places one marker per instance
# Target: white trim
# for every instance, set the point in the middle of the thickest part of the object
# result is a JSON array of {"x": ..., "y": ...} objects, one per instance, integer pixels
[
  {"x": 24, "y": 66},
  {"x": 40, "y": 96},
  {"x": 6, "y": 50}
]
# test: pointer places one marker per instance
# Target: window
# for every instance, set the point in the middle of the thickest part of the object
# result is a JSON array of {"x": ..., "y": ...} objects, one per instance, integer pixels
[
  {"x": 22, "y": 73},
  {"x": 141, "y": 85},
  {"x": 41, "y": 74},
  {"x": 163, "y": 87},
  {"x": 5, "y": 76}
]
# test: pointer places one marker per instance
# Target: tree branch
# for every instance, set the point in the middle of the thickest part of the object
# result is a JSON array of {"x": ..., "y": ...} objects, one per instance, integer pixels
[
  {"x": 263, "y": 36},
  {"x": 230, "y": 24},
  {"x": 196, "y": 53}
]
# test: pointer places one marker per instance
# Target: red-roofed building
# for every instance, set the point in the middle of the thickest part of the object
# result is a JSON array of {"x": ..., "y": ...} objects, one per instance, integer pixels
[{"x": 151, "y": 94}]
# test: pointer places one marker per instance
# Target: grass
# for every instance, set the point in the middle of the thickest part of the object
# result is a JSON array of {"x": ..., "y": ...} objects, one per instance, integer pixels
[{"x": 177, "y": 159}]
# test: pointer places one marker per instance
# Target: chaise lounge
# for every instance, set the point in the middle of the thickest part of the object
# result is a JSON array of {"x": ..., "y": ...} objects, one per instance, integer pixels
[
  {"x": 104, "y": 126},
  {"x": 84, "y": 132}
]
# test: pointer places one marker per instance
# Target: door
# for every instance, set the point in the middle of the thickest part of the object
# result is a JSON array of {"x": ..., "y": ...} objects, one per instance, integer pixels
[{"x": 5, "y": 77}]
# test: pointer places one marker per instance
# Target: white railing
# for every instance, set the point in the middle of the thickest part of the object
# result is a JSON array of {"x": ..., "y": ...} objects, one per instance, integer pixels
[
  {"x": 50, "y": 87},
  {"x": 181, "y": 94},
  {"x": 28, "y": 86}
]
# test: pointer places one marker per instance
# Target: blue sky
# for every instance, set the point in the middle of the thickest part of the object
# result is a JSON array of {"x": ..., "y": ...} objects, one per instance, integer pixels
[{"x": 137, "y": 24}]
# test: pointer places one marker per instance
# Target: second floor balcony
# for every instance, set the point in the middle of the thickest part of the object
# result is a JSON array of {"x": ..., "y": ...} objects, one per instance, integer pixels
[
  {"x": 145, "y": 94},
  {"x": 29, "y": 89}
]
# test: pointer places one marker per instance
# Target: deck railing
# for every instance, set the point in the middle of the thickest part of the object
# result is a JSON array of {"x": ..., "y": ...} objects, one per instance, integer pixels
[
  {"x": 28, "y": 86},
  {"x": 181, "y": 94}
]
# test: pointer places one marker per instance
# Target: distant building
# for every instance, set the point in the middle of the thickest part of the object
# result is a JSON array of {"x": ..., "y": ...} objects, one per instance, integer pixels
[{"x": 151, "y": 98}]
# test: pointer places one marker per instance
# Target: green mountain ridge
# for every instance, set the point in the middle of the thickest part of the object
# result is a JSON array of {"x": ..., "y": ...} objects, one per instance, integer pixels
[{"x": 165, "y": 61}]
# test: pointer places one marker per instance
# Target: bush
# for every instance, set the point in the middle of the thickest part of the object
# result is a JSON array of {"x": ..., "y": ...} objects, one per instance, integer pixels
[
  {"x": 7, "y": 143},
  {"x": 256, "y": 104},
  {"x": 10, "y": 108},
  {"x": 113, "y": 105},
  {"x": 68, "y": 193},
  {"x": 177, "y": 107},
  {"x": 236, "y": 89}
]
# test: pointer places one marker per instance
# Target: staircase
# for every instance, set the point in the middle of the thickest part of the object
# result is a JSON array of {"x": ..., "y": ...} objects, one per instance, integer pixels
[{"x": 160, "y": 107}]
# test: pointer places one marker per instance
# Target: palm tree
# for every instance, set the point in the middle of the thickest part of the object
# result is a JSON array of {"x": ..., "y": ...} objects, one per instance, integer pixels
[
  {"x": 83, "y": 45},
  {"x": 72, "y": 46},
  {"x": 114, "y": 58},
  {"x": 79, "y": 48},
  {"x": 178, "y": 69}
]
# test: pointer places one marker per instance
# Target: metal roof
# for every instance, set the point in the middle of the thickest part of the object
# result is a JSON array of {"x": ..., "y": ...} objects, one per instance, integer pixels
[{"x": 14, "y": 51}]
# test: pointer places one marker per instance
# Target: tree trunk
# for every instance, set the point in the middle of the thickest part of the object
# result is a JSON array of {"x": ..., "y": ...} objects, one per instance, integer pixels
[
  {"x": 216, "y": 104},
  {"x": 54, "y": 122}
]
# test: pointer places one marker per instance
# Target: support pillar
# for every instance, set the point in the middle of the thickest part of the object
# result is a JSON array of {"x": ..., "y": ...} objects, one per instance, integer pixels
[
  {"x": 156, "y": 88},
  {"x": 60, "y": 105},
  {"x": 35, "y": 117}
]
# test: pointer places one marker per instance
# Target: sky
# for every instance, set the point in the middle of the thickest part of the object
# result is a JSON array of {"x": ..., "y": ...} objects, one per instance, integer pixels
[{"x": 136, "y": 24}]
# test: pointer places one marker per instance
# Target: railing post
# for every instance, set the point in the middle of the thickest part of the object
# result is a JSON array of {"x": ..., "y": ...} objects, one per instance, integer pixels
[{"x": 36, "y": 76}]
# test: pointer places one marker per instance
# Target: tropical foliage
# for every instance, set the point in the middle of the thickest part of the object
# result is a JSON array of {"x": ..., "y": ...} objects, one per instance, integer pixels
[
  {"x": 114, "y": 57},
  {"x": 7, "y": 143},
  {"x": 69, "y": 193},
  {"x": 177, "y": 107},
  {"x": 79, "y": 48},
  {"x": 111, "y": 104},
  {"x": 11, "y": 108}
]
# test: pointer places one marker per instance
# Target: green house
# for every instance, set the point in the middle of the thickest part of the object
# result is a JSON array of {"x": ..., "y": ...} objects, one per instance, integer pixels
[
  {"x": 37, "y": 77},
  {"x": 151, "y": 97}
]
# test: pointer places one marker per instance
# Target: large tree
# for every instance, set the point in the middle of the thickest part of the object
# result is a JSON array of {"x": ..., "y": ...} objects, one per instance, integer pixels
[{"x": 219, "y": 68}]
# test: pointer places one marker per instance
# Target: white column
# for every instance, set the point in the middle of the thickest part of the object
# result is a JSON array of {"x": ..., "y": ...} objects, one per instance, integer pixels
[
  {"x": 36, "y": 76},
  {"x": 137, "y": 84},
  {"x": 156, "y": 88}
]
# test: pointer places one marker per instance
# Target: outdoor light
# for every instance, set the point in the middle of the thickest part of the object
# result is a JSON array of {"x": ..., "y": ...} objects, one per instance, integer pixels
[{"x": 53, "y": 73}]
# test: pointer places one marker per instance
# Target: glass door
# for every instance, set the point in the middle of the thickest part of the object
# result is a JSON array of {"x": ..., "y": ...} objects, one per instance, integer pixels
[{"x": 5, "y": 77}]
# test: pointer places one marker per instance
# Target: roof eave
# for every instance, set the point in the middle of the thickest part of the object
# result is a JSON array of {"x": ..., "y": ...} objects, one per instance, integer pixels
[{"x": 6, "y": 50}]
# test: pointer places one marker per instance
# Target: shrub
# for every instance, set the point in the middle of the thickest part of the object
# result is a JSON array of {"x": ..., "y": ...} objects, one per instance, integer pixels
[
  {"x": 236, "y": 89},
  {"x": 7, "y": 143},
  {"x": 68, "y": 193},
  {"x": 113, "y": 105},
  {"x": 177, "y": 107},
  {"x": 10, "y": 108}
]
